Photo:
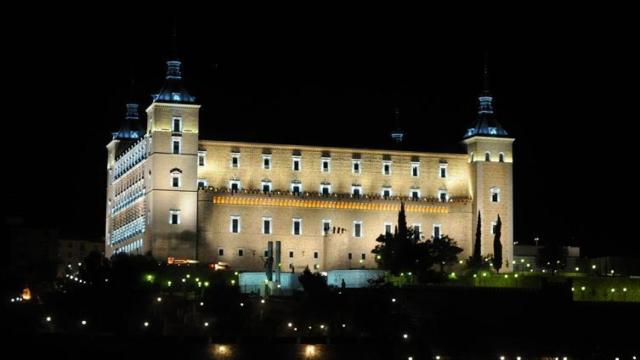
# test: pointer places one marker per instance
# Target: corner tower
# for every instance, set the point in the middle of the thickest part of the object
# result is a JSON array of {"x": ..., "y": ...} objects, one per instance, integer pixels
[
  {"x": 490, "y": 152},
  {"x": 172, "y": 129}
]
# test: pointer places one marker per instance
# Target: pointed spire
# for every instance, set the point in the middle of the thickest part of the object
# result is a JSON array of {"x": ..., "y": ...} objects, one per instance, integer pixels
[
  {"x": 131, "y": 128},
  {"x": 397, "y": 135},
  {"x": 173, "y": 90},
  {"x": 485, "y": 124}
]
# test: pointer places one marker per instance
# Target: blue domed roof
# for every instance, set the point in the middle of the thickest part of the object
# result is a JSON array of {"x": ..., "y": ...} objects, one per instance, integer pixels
[
  {"x": 131, "y": 128},
  {"x": 486, "y": 123},
  {"x": 173, "y": 90}
]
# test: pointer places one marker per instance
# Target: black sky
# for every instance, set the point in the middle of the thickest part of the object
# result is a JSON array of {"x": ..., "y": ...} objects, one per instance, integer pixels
[{"x": 562, "y": 84}]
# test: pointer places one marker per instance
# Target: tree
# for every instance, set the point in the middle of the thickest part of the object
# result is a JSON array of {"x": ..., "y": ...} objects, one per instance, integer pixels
[
  {"x": 313, "y": 283},
  {"x": 443, "y": 251},
  {"x": 476, "y": 261},
  {"x": 497, "y": 246},
  {"x": 397, "y": 252}
]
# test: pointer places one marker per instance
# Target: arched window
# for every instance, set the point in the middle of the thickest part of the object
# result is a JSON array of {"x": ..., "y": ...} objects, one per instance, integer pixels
[
  {"x": 501, "y": 158},
  {"x": 487, "y": 156}
]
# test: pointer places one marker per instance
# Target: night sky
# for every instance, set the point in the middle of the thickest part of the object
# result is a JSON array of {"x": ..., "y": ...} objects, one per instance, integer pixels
[{"x": 560, "y": 89}]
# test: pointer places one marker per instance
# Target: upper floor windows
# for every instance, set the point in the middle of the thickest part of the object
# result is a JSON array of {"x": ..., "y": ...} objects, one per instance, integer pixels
[
  {"x": 296, "y": 187},
  {"x": 414, "y": 194},
  {"x": 234, "y": 224},
  {"x": 443, "y": 171},
  {"x": 356, "y": 191},
  {"x": 386, "y": 167},
  {"x": 386, "y": 192},
  {"x": 501, "y": 157},
  {"x": 266, "y": 186},
  {"x": 235, "y": 186},
  {"x": 234, "y": 162},
  {"x": 494, "y": 193},
  {"x": 437, "y": 230},
  {"x": 494, "y": 227},
  {"x": 202, "y": 158},
  {"x": 176, "y": 178},
  {"x": 176, "y": 145},
  {"x": 325, "y": 164},
  {"x": 415, "y": 169},
  {"x": 296, "y": 163},
  {"x": 266, "y": 225},
  {"x": 487, "y": 156},
  {"x": 266, "y": 162},
  {"x": 296, "y": 226},
  {"x": 202, "y": 183},
  {"x": 357, "y": 229},
  {"x": 326, "y": 226},
  {"x": 356, "y": 166},
  {"x": 388, "y": 228},
  {"x": 176, "y": 125}
]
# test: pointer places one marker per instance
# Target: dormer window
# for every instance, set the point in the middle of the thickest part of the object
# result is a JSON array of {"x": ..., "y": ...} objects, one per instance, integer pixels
[{"x": 176, "y": 125}]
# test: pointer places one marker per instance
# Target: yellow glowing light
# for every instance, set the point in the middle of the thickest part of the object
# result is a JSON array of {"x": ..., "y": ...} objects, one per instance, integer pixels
[
  {"x": 577, "y": 269},
  {"x": 515, "y": 276},
  {"x": 26, "y": 294},
  {"x": 169, "y": 283},
  {"x": 583, "y": 288},
  {"x": 310, "y": 351},
  {"x": 188, "y": 276},
  {"x": 222, "y": 350},
  {"x": 624, "y": 289}
]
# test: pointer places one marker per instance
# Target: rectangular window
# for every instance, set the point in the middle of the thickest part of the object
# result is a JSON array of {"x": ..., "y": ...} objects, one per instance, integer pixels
[
  {"x": 356, "y": 191},
  {"x": 387, "y": 228},
  {"x": 266, "y": 162},
  {"x": 386, "y": 192},
  {"x": 234, "y": 226},
  {"x": 266, "y": 187},
  {"x": 386, "y": 168},
  {"x": 295, "y": 164},
  {"x": 266, "y": 225},
  {"x": 235, "y": 161},
  {"x": 363, "y": 256},
  {"x": 296, "y": 188},
  {"x": 240, "y": 252},
  {"x": 493, "y": 227},
  {"x": 220, "y": 252},
  {"x": 443, "y": 196},
  {"x": 290, "y": 254},
  {"x": 325, "y": 190},
  {"x": 415, "y": 169},
  {"x": 416, "y": 230},
  {"x": 350, "y": 256},
  {"x": 355, "y": 166},
  {"x": 326, "y": 226},
  {"x": 177, "y": 125},
  {"x": 325, "y": 165},
  {"x": 357, "y": 229},
  {"x": 443, "y": 171},
  {"x": 202, "y": 183},
  {"x": 296, "y": 227},
  {"x": 495, "y": 195},
  {"x": 175, "y": 147},
  {"x": 175, "y": 180},
  {"x": 437, "y": 231},
  {"x": 415, "y": 194},
  {"x": 174, "y": 217},
  {"x": 234, "y": 185},
  {"x": 266, "y": 253},
  {"x": 202, "y": 156}
]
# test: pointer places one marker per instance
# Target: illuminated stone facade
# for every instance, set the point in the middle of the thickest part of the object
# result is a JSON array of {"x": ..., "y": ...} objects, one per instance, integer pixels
[{"x": 176, "y": 195}]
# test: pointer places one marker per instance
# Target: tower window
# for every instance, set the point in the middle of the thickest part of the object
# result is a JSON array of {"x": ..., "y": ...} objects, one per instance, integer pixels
[
  {"x": 437, "y": 231},
  {"x": 493, "y": 227},
  {"x": 296, "y": 164},
  {"x": 296, "y": 227},
  {"x": 235, "y": 161},
  {"x": 266, "y": 162},
  {"x": 266, "y": 225},
  {"x": 356, "y": 166},
  {"x": 501, "y": 157},
  {"x": 495, "y": 194},
  {"x": 174, "y": 217},
  {"x": 356, "y": 191},
  {"x": 357, "y": 229},
  {"x": 175, "y": 179},
  {"x": 325, "y": 189},
  {"x": 386, "y": 168},
  {"x": 326, "y": 226},
  {"x": 234, "y": 226},
  {"x": 487, "y": 156},
  {"x": 443, "y": 171},
  {"x": 175, "y": 146},
  {"x": 443, "y": 196},
  {"x": 415, "y": 169},
  {"x": 176, "y": 125},
  {"x": 325, "y": 165}
]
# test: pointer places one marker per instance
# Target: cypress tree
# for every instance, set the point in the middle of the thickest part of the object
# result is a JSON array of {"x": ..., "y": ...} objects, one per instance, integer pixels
[
  {"x": 497, "y": 246},
  {"x": 477, "y": 256}
]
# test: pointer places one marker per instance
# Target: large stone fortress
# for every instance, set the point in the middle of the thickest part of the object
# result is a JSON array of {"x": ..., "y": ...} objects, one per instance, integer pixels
[{"x": 176, "y": 195}]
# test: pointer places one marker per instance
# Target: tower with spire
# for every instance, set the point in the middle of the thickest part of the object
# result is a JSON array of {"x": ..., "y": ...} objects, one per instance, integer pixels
[{"x": 490, "y": 152}]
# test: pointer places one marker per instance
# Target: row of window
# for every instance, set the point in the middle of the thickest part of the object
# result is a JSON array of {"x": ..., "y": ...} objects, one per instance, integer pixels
[
  {"x": 128, "y": 230},
  {"x": 133, "y": 246},
  {"x": 130, "y": 159},
  {"x": 325, "y": 164},
  {"x": 316, "y": 254},
  {"x": 487, "y": 157},
  {"x": 235, "y": 227}
]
